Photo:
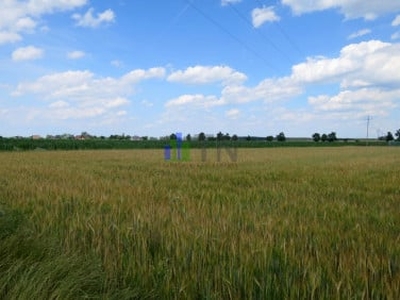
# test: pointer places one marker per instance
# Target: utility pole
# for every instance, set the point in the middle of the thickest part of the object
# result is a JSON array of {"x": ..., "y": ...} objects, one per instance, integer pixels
[{"x": 369, "y": 118}]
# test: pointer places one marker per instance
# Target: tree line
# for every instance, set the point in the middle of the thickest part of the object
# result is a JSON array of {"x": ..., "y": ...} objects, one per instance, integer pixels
[
  {"x": 389, "y": 136},
  {"x": 88, "y": 141}
]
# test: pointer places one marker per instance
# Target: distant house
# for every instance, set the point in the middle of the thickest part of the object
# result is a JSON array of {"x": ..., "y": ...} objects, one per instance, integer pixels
[
  {"x": 136, "y": 138},
  {"x": 36, "y": 137}
]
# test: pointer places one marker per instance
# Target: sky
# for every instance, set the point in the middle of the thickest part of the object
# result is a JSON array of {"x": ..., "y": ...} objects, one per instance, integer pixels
[{"x": 245, "y": 67}]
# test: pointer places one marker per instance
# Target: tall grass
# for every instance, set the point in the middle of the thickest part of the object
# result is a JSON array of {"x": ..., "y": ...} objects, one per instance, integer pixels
[{"x": 278, "y": 224}]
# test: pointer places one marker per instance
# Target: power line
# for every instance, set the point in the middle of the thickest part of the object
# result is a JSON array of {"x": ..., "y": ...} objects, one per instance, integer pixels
[
  {"x": 215, "y": 23},
  {"x": 260, "y": 33},
  {"x": 288, "y": 38}
]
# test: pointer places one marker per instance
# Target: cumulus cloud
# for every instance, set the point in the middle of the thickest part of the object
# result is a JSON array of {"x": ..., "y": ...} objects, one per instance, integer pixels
[
  {"x": 366, "y": 75},
  {"x": 9, "y": 37},
  {"x": 25, "y": 24},
  {"x": 18, "y": 17},
  {"x": 351, "y": 9},
  {"x": 233, "y": 113},
  {"x": 207, "y": 75},
  {"x": 140, "y": 74},
  {"x": 40, "y": 7},
  {"x": 75, "y": 54},
  {"x": 77, "y": 94},
  {"x": 268, "y": 90},
  {"x": 359, "y": 33},
  {"x": 88, "y": 20},
  {"x": 27, "y": 53},
  {"x": 369, "y": 101},
  {"x": 396, "y": 21},
  {"x": 371, "y": 62},
  {"x": 262, "y": 15},
  {"x": 77, "y": 85},
  {"x": 197, "y": 100}
]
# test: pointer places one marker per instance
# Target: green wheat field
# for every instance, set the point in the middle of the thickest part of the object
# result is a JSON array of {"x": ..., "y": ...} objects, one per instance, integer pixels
[{"x": 280, "y": 223}]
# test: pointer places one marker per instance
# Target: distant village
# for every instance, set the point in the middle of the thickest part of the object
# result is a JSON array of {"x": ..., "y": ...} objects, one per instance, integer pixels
[
  {"x": 87, "y": 136},
  {"x": 316, "y": 137}
]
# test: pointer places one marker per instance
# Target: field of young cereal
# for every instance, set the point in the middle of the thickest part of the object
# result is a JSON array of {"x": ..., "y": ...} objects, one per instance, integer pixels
[{"x": 281, "y": 223}]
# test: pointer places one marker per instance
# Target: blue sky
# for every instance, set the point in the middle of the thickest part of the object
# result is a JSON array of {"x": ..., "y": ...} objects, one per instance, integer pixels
[{"x": 238, "y": 66}]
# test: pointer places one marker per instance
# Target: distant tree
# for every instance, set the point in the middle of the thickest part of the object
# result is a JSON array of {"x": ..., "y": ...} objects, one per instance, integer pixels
[
  {"x": 324, "y": 137},
  {"x": 188, "y": 137},
  {"x": 316, "y": 137},
  {"x": 202, "y": 136},
  {"x": 382, "y": 138},
  {"x": 172, "y": 136},
  {"x": 389, "y": 137},
  {"x": 145, "y": 138},
  {"x": 227, "y": 137},
  {"x": 220, "y": 136},
  {"x": 332, "y": 137},
  {"x": 281, "y": 137},
  {"x": 248, "y": 138},
  {"x": 234, "y": 137},
  {"x": 269, "y": 138},
  {"x": 397, "y": 134}
]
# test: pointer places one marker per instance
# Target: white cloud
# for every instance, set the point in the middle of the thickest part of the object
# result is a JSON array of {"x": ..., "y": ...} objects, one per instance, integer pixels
[
  {"x": 197, "y": 100},
  {"x": 366, "y": 75},
  {"x": 359, "y": 33},
  {"x": 79, "y": 94},
  {"x": 396, "y": 21},
  {"x": 25, "y": 24},
  {"x": 116, "y": 102},
  {"x": 88, "y": 20},
  {"x": 370, "y": 101},
  {"x": 395, "y": 36},
  {"x": 352, "y": 9},
  {"x": 233, "y": 113},
  {"x": 9, "y": 37},
  {"x": 27, "y": 53},
  {"x": 59, "y": 104},
  {"x": 262, "y": 15},
  {"x": 42, "y": 6},
  {"x": 269, "y": 90},
  {"x": 226, "y": 2},
  {"x": 75, "y": 54},
  {"x": 373, "y": 62},
  {"x": 139, "y": 75},
  {"x": 81, "y": 85},
  {"x": 207, "y": 75},
  {"x": 17, "y": 17}
]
